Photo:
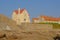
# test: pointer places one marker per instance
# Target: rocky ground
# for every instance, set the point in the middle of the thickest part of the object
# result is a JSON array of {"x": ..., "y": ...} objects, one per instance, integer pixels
[
  {"x": 10, "y": 31},
  {"x": 24, "y": 35}
]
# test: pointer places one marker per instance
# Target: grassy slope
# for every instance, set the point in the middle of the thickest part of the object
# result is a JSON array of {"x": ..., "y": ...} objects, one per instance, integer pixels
[{"x": 55, "y": 25}]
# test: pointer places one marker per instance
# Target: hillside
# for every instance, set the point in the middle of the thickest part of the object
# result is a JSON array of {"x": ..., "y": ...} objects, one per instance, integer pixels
[
  {"x": 55, "y": 25},
  {"x": 10, "y": 31},
  {"x": 6, "y": 24}
]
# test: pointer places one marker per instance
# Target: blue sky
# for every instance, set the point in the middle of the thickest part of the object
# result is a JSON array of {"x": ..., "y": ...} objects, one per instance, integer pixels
[{"x": 34, "y": 7}]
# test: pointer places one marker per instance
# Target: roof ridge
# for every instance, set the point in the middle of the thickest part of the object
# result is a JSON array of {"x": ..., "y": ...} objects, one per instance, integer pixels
[{"x": 20, "y": 11}]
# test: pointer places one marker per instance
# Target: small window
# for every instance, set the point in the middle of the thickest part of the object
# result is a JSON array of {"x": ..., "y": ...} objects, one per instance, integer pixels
[{"x": 24, "y": 19}]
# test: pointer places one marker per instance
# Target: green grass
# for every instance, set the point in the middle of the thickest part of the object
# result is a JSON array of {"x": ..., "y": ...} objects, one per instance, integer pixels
[{"x": 55, "y": 25}]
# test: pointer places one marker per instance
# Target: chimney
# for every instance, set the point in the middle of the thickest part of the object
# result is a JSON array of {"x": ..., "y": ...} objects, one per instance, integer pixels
[{"x": 18, "y": 10}]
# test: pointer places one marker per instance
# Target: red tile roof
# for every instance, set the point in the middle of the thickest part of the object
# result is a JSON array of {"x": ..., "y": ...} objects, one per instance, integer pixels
[
  {"x": 16, "y": 11},
  {"x": 20, "y": 11},
  {"x": 35, "y": 18},
  {"x": 47, "y": 18}
]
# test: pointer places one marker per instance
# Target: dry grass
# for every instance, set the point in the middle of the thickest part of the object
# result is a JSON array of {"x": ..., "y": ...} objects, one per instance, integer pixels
[{"x": 17, "y": 33}]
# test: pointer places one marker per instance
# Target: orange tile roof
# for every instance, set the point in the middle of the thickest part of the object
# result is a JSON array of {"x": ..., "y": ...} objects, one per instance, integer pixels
[
  {"x": 35, "y": 18},
  {"x": 47, "y": 18},
  {"x": 20, "y": 11}
]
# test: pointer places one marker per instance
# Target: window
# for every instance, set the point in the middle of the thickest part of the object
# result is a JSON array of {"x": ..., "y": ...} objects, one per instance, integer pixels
[{"x": 24, "y": 19}]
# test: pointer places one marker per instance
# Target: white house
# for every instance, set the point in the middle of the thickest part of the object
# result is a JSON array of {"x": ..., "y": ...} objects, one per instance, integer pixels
[
  {"x": 46, "y": 19},
  {"x": 21, "y": 16}
]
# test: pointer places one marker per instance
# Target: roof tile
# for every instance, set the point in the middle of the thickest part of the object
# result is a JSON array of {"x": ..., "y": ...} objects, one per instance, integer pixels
[
  {"x": 20, "y": 11},
  {"x": 47, "y": 18}
]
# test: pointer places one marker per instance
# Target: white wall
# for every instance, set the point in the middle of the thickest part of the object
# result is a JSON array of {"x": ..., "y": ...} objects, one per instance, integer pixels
[{"x": 19, "y": 18}]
